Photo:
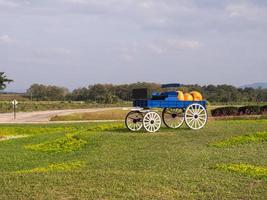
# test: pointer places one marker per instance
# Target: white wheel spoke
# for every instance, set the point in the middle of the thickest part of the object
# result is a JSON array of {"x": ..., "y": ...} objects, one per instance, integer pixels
[
  {"x": 134, "y": 120},
  {"x": 173, "y": 117},
  {"x": 199, "y": 117},
  {"x": 152, "y": 122}
]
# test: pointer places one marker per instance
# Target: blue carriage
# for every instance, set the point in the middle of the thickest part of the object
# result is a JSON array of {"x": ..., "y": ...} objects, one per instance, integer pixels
[{"x": 174, "y": 111}]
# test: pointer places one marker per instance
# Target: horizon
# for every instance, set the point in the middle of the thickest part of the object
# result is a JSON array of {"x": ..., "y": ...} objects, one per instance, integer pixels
[
  {"x": 71, "y": 89},
  {"x": 73, "y": 43}
]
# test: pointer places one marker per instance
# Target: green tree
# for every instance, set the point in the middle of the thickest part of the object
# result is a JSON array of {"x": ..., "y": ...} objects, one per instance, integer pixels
[
  {"x": 4, "y": 80},
  {"x": 47, "y": 93}
]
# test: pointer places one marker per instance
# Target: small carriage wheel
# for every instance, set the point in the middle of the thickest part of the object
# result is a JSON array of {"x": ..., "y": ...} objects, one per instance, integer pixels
[
  {"x": 173, "y": 117},
  {"x": 134, "y": 120},
  {"x": 195, "y": 116},
  {"x": 152, "y": 122}
]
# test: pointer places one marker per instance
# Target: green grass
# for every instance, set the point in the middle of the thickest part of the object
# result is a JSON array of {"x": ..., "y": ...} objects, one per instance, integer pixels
[
  {"x": 118, "y": 164},
  {"x": 68, "y": 143},
  {"x": 249, "y": 170},
  {"x": 68, "y": 166},
  {"x": 242, "y": 139}
]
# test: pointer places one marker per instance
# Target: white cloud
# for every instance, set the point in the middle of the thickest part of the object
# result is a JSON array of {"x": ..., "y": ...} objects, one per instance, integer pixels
[
  {"x": 61, "y": 51},
  {"x": 52, "y": 52},
  {"x": 246, "y": 10},
  {"x": 6, "y": 39},
  {"x": 126, "y": 57},
  {"x": 8, "y": 3},
  {"x": 166, "y": 45},
  {"x": 183, "y": 44},
  {"x": 76, "y": 1}
]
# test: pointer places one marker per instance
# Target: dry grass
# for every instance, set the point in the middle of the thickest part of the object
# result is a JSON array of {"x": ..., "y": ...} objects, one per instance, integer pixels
[{"x": 117, "y": 114}]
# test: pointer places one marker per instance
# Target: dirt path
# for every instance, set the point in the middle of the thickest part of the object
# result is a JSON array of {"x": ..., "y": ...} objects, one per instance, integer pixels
[{"x": 42, "y": 116}]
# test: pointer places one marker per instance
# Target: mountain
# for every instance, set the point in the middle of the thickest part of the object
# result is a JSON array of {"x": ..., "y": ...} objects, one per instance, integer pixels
[{"x": 256, "y": 85}]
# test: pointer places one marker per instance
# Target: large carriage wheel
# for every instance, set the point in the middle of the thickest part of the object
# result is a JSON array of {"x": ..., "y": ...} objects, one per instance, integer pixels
[
  {"x": 195, "y": 116},
  {"x": 134, "y": 120},
  {"x": 173, "y": 117},
  {"x": 152, "y": 122}
]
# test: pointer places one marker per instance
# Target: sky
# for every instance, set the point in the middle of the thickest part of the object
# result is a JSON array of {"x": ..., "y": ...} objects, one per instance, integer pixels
[{"x": 74, "y": 43}]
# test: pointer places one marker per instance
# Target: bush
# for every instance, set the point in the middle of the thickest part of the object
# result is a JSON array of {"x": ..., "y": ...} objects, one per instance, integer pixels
[
  {"x": 224, "y": 111},
  {"x": 234, "y": 111},
  {"x": 249, "y": 110},
  {"x": 264, "y": 110}
]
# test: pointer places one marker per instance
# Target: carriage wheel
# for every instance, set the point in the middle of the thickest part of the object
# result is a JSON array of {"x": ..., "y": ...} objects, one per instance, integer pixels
[
  {"x": 134, "y": 121},
  {"x": 195, "y": 116},
  {"x": 152, "y": 122},
  {"x": 173, "y": 117}
]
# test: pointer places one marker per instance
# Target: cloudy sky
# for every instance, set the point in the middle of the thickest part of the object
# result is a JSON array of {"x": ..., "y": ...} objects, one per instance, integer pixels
[{"x": 74, "y": 43}]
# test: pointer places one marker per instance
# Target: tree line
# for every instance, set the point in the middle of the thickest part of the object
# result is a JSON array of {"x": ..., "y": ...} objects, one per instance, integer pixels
[{"x": 109, "y": 93}]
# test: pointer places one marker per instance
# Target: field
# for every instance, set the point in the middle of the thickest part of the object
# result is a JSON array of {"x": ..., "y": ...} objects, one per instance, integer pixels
[
  {"x": 225, "y": 160},
  {"x": 116, "y": 114},
  {"x": 119, "y": 114},
  {"x": 28, "y": 106}
]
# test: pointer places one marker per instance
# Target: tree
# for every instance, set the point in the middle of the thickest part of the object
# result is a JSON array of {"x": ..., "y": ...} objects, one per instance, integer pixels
[
  {"x": 80, "y": 94},
  {"x": 47, "y": 93},
  {"x": 4, "y": 80}
]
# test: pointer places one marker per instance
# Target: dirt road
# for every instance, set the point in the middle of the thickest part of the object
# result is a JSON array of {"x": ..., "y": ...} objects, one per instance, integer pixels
[{"x": 42, "y": 116}]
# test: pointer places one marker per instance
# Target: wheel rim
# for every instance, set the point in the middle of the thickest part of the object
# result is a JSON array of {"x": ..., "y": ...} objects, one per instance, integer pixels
[
  {"x": 195, "y": 116},
  {"x": 134, "y": 121},
  {"x": 152, "y": 122},
  {"x": 173, "y": 117}
]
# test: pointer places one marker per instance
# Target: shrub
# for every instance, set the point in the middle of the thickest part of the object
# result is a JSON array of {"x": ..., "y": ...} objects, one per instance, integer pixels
[
  {"x": 224, "y": 111},
  {"x": 249, "y": 110},
  {"x": 264, "y": 110},
  {"x": 234, "y": 111}
]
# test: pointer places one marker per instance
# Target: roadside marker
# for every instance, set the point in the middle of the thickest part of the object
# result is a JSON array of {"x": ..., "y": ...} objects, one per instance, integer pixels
[{"x": 14, "y": 103}]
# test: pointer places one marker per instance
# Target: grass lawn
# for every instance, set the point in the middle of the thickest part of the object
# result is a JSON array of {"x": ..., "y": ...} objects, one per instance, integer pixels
[{"x": 105, "y": 161}]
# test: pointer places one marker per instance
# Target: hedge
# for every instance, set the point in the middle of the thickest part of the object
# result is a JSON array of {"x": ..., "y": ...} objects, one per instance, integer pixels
[{"x": 235, "y": 111}]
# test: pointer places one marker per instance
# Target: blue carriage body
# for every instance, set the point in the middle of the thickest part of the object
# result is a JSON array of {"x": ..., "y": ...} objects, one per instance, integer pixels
[
  {"x": 165, "y": 100},
  {"x": 150, "y": 103}
]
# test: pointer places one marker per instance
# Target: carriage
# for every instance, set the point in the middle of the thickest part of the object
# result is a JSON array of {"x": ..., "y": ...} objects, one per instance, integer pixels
[{"x": 174, "y": 111}]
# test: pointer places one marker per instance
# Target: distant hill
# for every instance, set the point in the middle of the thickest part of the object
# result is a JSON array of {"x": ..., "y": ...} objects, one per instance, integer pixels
[{"x": 256, "y": 85}]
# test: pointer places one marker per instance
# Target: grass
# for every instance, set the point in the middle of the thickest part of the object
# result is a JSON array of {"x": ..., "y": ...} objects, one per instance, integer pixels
[
  {"x": 68, "y": 143},
  {"x": 242, "y": 139},
  {"x": 117, "y": 114},
  {"x": 246, "y": 169},
  {"x": 118, "y": 164},
  {"x": 68, "y": 166},
  {"x": 28, "y": 106},
  {"x": 9, "y": 137}
]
